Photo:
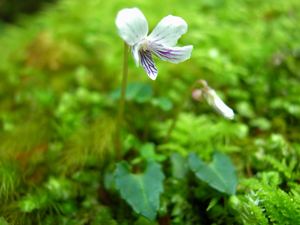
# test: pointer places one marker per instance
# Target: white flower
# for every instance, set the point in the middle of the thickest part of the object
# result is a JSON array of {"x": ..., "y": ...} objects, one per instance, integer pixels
[
  {"x": 132, "y": 27},
  {"x": 217, "y": 104}
]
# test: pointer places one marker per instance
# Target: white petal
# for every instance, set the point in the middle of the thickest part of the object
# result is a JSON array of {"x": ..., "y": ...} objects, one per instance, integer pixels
[
  {"x": 218, "y": 105},
  {"x": 132, "y": 25},
  {"x": 148, "y": 64},
  {"x": 135, "y": 51},
  {"x": 171, "y": 54},
  {"x": 168, "y": 31}
]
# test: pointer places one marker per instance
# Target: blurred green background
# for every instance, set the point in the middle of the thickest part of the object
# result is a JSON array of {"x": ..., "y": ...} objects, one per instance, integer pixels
[
  {"x": 11, "y": 9},
  {"x": 61, "y": 62}
]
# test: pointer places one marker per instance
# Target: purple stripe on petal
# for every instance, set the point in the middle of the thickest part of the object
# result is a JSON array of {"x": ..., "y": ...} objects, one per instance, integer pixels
[
  {"x": 171, "y": 54},
  {"x": 148, "y": 63}
]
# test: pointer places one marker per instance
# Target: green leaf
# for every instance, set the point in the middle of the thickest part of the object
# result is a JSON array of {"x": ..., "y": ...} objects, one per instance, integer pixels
[
  {"x": 213, "y": 202},
  {"x": 148, "y": 152},
  {"x": 261, "y": 123},
  {"x": 141, "y": 191},
  {"x": 245, "y": 109},
  {"x": 130, "y": 141},
  {"x": 137, "y": 92},
  {"x": 220, "y": 174},
  {"x": 179, "y": 165},
  {"x": 164, "y": 103}
]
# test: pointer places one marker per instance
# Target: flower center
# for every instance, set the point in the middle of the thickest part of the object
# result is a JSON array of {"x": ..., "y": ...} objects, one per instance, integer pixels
[{"x": 145, "y": 44}]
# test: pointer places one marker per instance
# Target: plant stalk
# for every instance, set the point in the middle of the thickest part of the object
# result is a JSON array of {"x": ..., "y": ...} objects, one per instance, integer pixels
[
  {"x": 118, "y": 142},
  {"x": 180, "y": 108}
]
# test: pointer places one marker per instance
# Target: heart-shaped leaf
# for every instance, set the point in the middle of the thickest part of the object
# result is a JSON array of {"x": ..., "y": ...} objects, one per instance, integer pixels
[
  {"x": 141, "y": 191},
  {"x": 220, "y": 174}
]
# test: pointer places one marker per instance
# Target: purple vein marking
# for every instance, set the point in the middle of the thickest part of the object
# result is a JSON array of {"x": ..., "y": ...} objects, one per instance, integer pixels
[
  {"x": 148, "y": 63},
  {"x": 167, "y": 53}
]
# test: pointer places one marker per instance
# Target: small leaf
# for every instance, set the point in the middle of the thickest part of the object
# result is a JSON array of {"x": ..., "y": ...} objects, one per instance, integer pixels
[
  {"x": 245, "y": 109},
  {"x": 130, "y": 141},
  {"x": 213, "y": 202},
  {"x": 220, "y": 174},
  {"x": 148, "y": 152},
  {"x": 141, "y": 191},
  {"x": 163, "y": 209},
  {"x": 164, "y": 103},
  {"x": 261, "y": 123},
  {"x": 179, "y": 165},
  {"x": 137, "y": 92}
]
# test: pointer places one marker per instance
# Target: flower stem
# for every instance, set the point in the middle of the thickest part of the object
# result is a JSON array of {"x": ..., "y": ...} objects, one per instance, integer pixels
[
  {"x": 180, "y": 108},
  {"x": 118, "y": 144}
]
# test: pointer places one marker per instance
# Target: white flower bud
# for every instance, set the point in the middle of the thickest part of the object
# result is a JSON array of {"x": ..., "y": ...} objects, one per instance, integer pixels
[{"x": 217, "y": 104}]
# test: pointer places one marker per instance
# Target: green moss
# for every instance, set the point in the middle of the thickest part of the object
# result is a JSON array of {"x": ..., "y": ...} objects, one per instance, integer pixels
[{"x": 58, "y": 71}]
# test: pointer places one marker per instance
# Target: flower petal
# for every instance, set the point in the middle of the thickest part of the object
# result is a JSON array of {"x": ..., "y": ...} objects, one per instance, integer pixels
[
  {"x": 168, "y": 31},
  {"x": 132, "y": 25},
  {"x": 135, "y": 51},
  {"x": 171, "y": 54},
  {"x": 218, "y": 105},
  {"x": 148, "y": 63}
]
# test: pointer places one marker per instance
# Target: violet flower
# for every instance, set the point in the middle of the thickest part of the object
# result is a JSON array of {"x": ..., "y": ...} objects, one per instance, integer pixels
[{"x": 132, "y": 27}]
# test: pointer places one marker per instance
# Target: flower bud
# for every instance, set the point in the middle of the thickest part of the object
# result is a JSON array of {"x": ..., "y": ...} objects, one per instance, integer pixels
[
  {"x": 196, "y": 94},
  {"x": 217, "y": 104}
]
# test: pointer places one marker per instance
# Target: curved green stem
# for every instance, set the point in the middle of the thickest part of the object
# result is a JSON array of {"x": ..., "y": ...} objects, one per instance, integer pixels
[
  {"x": 180, "y": 108},
  {"x": 118, "y": 144}
]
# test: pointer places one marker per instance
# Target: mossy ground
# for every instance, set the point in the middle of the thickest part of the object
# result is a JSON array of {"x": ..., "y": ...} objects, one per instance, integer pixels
[{"x": 59, "y": 69}]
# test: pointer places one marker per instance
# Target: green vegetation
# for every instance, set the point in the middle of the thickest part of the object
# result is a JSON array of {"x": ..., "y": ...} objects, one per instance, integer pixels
[{"x": 60, "y": 78}]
